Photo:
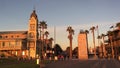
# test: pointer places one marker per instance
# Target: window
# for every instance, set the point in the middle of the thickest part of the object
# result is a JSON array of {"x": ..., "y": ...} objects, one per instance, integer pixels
[
  {"x": 6, "y": 36},
  {"x": 0, "y": 37},
  {"x": 3, "y": 44},
  {"x": 0, "y": 44},
  {"x": 32, "y": 27},
  {"x": 17, "y": 43},
  {"x": 17, "y": 36},
  {"x": 31, "y": 35},
  {"x": 11, "y": 36}
]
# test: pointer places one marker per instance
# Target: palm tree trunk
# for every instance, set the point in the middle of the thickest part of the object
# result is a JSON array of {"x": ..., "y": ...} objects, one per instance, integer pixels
[
  {"x": 43, "y": 43},
  {"x": 46, "y": 44},
  {"x": 70, "y": 47},
  {"x": 112, "y": 48},
  {"x": 104, "y": 51},
  {"x": 94, "y": 44},
  {"x": 87, "y": 43}
]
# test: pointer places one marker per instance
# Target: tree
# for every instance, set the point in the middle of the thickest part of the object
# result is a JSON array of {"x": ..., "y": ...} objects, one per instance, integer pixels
[
  {"x": 93, "y": 29},
  {"x": 46, "y": 34},
  {"x": 104, "y": 51},
  {"x": 98, "y": 37},
  {"x": 57, "y": 50},
  {"x": 51, "y": 39},
  {"x": 67, "y": 51},
  {"x": 118, "y": 25},
  {"x": 71, "y": 32},
  {"x": 50, "y": 43},
  {"x": 42, "y": 26},
  {"x": 75, "y": 52},
  {"x": 110, "y": 36},
  {"x": 87, "y": 32}
]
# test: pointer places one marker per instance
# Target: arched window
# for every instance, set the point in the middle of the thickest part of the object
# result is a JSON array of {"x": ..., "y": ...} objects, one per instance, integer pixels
[
  {"x": 3, "y": 44},
  {"x": 0, "y": 37},
  {"x": 6, "y": 36},
  {"x": 31, "y": 35}
]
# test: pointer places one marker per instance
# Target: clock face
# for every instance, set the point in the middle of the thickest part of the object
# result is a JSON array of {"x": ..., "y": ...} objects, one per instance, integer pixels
[
  {"x": 31, "y": 35},
  {"x": 32, "y": 27}
]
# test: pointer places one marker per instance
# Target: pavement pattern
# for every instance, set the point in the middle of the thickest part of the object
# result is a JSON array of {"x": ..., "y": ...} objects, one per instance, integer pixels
[{"x": 85, "y": 64}]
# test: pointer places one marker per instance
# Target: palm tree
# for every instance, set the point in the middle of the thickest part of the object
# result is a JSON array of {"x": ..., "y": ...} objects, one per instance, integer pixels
[
  {"x": 104, "y": 51},
  {"x": 118, "y": 25},
  {"x": 99, "y": 44},
  {"x": 46, "y": 34},
  {"x": 99, "y": 37},
  {"x": 93, "y": 29},
  {"x": 50, "y": 40},
  {"x": 87, "y": 32},
  {"x": 71, "y": 32},
  {"x": 110, "y": 36},
  {"x": 57, "y": 49},
  {"x": 43, "y": 26}
]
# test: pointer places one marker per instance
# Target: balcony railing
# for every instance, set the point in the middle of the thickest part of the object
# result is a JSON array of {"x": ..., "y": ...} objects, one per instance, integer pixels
[{"x": 14, "y": 47}]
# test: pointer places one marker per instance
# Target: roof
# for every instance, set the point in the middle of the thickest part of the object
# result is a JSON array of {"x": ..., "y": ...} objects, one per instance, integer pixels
[
  {"x": 34, "y": 14},
  {"x": 13, "y": 38},
  {"x": 13, "y": 32}
]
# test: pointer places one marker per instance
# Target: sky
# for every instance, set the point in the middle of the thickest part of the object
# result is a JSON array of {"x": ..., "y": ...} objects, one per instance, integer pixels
[{"x": 80, "y": 14}]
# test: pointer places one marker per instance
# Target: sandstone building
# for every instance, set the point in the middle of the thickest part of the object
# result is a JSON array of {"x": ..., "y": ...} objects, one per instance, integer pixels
[{"x": 21, "y": 43}]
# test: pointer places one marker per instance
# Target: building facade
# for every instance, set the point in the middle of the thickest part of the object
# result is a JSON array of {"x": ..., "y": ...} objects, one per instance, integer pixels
[
  {"x": 21, "y": 43},
  {"x": 113, "y": 46},
  {"x": 13, "y": 43}
]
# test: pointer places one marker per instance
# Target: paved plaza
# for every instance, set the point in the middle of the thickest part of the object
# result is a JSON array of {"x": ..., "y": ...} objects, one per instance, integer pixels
[{"x": 85, "y": 64}]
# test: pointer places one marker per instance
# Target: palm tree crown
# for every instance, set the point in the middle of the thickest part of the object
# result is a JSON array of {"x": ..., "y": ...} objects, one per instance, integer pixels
[
  {"x": 118, "y": 25},
  {"x": 99, "y": 37},
  {"x": 70, "y": 30},
  {"x": 43, "y": 25},
  {"x": 86, "y": 31},
  {"x": 109, "y": 33},
  {"x": 92, "y": 28},
  {"x": 46, "y": 34},
  {"x": 102, "y": 35}
]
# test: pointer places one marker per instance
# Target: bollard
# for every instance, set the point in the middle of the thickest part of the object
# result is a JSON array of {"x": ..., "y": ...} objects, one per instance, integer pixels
[
  {"x": 118, "y": 57},
  {"x": 56, "y": 58},
  {"x": 37, "y": 61}
]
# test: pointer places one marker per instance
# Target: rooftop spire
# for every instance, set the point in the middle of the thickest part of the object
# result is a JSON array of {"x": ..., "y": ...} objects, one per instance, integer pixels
[
  {"x": 33, "y": 14},
  {"x": 34, "y": 7}
]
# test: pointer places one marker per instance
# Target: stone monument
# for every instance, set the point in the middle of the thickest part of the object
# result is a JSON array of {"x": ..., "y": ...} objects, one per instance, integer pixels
[{"x": 82, "y": 46}]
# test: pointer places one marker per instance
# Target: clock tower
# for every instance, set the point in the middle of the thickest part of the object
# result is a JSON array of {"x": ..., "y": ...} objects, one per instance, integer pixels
[{"x": 32, "y": 34}]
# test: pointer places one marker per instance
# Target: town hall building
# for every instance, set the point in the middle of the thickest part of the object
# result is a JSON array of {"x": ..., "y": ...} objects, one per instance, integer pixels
[{"x": 21, "y": 43}]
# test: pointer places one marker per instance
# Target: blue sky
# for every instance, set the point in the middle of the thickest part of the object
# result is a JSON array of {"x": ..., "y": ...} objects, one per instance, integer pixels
[{"x": 80, "y": 14}]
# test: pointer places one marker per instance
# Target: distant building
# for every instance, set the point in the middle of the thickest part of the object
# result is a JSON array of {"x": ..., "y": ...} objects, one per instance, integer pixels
[
  {"x": 13, "y": 42},
  {"x": 22, "y": 43},
  {"x": 113, "y": 40},
  {"x": 82, "y": 46}
]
